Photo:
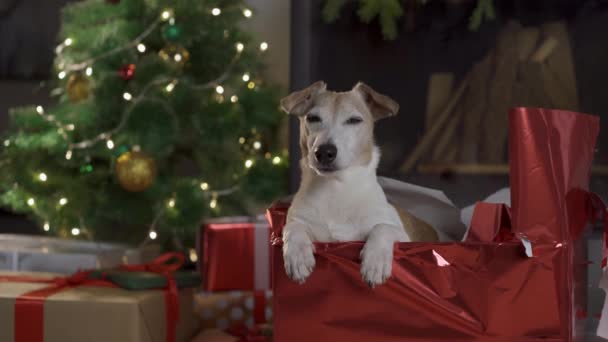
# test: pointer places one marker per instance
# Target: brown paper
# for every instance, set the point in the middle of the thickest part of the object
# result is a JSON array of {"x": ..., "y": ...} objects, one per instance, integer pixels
[
  {"x": 220, "y": 310},
  {"x": 98, "y": 314}
]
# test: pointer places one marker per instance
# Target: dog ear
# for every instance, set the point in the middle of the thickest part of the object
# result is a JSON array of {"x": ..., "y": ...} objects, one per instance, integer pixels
[
  {"x": 299, "y": 102},
  {"x": 379, "y": 105}
]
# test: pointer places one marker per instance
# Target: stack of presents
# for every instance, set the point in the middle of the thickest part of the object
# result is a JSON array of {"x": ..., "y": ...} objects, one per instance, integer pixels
[{"x": 519, "y": 273}]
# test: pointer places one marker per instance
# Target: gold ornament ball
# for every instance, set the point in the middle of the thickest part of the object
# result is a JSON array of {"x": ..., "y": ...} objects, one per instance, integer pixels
[
  {"x": 175, "y": 54},
  {"x": 135, "y": 171},
  {"x": 78, "y": 87}
]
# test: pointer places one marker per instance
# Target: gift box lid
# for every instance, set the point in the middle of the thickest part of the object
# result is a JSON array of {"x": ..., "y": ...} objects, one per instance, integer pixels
[{"x": 147, "y": 280}]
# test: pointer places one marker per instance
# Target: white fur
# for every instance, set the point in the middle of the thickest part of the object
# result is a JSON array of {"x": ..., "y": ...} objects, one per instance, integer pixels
[{"x": 347, "y": 205}]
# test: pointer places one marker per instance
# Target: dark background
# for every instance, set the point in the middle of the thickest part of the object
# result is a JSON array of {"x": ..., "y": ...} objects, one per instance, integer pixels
[{"x": 348, "y": 51}]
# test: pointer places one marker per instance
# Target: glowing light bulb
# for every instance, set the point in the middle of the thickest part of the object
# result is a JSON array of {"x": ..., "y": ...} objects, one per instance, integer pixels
[
  {"x": 68, "y": 42},
  {"x": 42, "y": 176},
  {"x": 62, "y": 75},
  {"x": 257, "y": 145},
  {"x": 63, "y": 201},
  {"x": 7, "y": 143},
  {"x": 169, "y": 88},
  {"x": 110, "y": 144},
  {"x": 178, "y": 57},
  {"x": 234, "y": 99},
  {"x": 46, "y": 227},
  {"x": 245, "y": 77},
  {"x": 39, "y": 110},
  {"x": 171, "y": 203},
  {"x": 152, "y": 234},
  {"x": 127, "y": 96},
  {"x": 240, "y": 47},
  {"x": 192, "y": 255},
  {"x": 70, "y": 127},
  {"x": 31, "y": 202},
  {"x": 68, "y": 155},
  {"x": 251, "y": 85},
  {"x": 247, "y": 13},
  {"x": 75, "y": 231},
  {"x": 166, "y": 14},
  {"x": 204, "y": 186},
  {"x": 216, "y": 11},
  {"x": 264, "y": 46},
  {"x": 219, "y": 89},
  {"x": 248, "y": 163},
  {"x": 213, "y": 203},
  {"x": 276, "y": 160},
  {"x": 89, "y": 71},
  {"x": 141, "y": 48},
  {"x": 242, "y": 140}
]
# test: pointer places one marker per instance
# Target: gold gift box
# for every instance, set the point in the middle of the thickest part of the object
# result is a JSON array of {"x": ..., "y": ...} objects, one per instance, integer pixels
[{"x": 99, "y": 314}]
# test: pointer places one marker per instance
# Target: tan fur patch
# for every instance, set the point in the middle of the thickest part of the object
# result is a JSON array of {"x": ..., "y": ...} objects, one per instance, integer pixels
[{"x": 416, "y": 229}]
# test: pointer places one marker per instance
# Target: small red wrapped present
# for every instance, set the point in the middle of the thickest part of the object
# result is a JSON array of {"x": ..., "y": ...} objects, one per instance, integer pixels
[
  {"x": 492, "y": 287},
  {"x": 235, "y": 255}
]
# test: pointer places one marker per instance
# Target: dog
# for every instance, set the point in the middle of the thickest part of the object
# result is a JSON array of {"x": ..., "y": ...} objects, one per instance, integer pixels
[{"x": 339, "y": 198}]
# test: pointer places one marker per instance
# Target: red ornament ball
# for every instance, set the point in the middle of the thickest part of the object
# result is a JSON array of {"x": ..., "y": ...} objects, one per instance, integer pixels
[{"x": 127, "y": 72}]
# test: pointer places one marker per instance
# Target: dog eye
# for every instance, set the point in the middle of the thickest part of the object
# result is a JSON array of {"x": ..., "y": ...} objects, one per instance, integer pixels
[
  {"x": 354, "y": 120},
  {"x": 313, "y": 118}
]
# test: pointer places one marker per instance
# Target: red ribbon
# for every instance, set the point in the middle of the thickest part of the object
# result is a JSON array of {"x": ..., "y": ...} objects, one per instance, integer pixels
[
  {"x": 163, "y": 265},
  {"x": 29, "y": 307}
]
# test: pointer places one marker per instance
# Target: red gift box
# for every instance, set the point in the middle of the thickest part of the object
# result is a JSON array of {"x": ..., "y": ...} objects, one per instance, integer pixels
[
  {"x": 484, "y": 289},
  {"x": 235, "y": 255}
]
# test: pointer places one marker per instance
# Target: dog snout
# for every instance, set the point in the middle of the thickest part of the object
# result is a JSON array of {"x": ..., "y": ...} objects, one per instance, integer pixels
[{"x": 326, "y": 154}]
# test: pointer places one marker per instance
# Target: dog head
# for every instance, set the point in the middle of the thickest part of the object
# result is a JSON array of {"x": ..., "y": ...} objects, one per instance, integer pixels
[{"x": 337, "y": 128}]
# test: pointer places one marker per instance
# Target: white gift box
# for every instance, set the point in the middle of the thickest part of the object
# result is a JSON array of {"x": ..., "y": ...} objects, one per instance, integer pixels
[{"x": 45, "y": 254}]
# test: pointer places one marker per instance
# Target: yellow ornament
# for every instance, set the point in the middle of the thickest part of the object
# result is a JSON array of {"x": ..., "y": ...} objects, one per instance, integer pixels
[
  {"x": 175, "y": 54},
  {"x": 135, "y": 171},
  {"x": 78, "y": 87}
]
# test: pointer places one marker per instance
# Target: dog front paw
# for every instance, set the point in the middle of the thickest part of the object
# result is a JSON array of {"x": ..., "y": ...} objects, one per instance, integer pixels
[
  {"x": 376, "y": 265},
  {"x": 299, "y": 260}
]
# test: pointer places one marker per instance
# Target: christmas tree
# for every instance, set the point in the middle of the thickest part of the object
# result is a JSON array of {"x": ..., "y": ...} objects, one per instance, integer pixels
[{"x": 162, "y": 119}]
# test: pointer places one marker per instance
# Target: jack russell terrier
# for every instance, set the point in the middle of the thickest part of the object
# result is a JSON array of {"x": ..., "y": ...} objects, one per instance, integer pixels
[{"x": 339, "y": 198}]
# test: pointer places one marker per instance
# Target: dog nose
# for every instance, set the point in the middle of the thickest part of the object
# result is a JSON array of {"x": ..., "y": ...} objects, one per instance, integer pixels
[{"x": 326, "y": 154}]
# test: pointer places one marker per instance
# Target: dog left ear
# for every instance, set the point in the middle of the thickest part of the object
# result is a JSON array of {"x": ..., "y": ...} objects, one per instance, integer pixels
[
  {"x": 299, "y": 102},
  {"x": 379, "y": 105}
]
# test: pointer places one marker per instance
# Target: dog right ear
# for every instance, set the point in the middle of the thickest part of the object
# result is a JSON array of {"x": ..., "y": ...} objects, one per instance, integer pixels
[{"x": 299, "y": 102}]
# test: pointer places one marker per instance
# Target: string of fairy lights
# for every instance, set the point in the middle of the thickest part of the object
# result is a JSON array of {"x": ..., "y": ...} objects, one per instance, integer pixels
[{"x": 167, "y": 85}]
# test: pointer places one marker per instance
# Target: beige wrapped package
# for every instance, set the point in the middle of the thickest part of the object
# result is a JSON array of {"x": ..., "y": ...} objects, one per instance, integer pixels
[{"x": 98, "y": 314}]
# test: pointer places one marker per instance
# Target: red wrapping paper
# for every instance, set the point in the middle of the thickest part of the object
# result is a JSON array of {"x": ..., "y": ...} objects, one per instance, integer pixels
[
  {"x": 236, "y": 256},
  {"x": 485, "y": 289}
]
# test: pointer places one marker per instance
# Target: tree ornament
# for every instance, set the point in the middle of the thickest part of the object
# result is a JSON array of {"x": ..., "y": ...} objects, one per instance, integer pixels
[
  {"x": 127, "y": 72},
  {"x": 171, "y": 32},
  {"x": 88, "y": 168},
  {"x": 78, "y": 87},
  {"x": 121, "y": 149},
  {"x": 135, "y": 171},
  {"x": 175, "y": 54}
]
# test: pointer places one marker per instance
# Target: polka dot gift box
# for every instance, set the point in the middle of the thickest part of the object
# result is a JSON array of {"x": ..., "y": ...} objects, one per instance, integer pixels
[{"x": 222, "y": 310}]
